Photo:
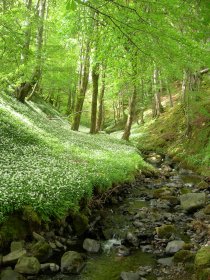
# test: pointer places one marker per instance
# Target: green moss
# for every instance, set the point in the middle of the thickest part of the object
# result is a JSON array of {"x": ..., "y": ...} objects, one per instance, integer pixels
[
  {"x": 204, "y": 274},
  {"x": 203, "y": 185},
  {"x": 80, "y": 223},
  {"x": 41, "y": 250},
  {"x": 30, "y": 215},
  {"x": 184, "y": 256},
  {"x": 184, "y": 190},
  {"x": 160, "y": 193},
  {"x": 202, "y": 259},
  {"x": 207, "y": 210},
  {"x": 171, "y": 198},
  {"x": 165, "y": 231},
  {"x": 12, "y": 229},
  {"x": 188, "y": 246}
]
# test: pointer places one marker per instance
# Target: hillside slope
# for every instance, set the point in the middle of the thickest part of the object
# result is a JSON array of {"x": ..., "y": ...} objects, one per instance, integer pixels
[
  {"x": 46, "y": 165},
  {"x": 167, "y": 134}
]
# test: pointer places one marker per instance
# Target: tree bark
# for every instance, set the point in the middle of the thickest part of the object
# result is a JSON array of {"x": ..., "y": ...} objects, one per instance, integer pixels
[
  {"x": 38, "y": 68},
  {"x": 100, "y": 118},
  {"x": 131, "y": 114},
  {"x": 69, "y": 103},
  {"x": 26, "y": 46},
  {"x": 82, "y": 90},
  {"x": 184, "y": 86},
  {"x": 95, "y": 79},
  {"x": 132, "y": 105},
  {"x": 142, "y": 103},
  {"x": 158, "y": 108}
]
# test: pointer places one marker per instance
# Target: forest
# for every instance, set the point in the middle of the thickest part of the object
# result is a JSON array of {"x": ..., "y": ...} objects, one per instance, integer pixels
[{"x": 105, "y": 139}]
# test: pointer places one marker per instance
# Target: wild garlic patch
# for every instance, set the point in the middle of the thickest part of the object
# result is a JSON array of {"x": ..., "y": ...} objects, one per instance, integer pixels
[{"x": 46, "y": 165}]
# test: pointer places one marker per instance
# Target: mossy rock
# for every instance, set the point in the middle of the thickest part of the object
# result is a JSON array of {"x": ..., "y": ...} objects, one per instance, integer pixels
[
  {"x": 80, "y": 223},
  {"x": 165, "y": 231},
  {"x": 162, "y": 193},
  {"x": 207, "y": 210},
  {"x": 203, "y": 274},
  {"x": 184, "y": 256},
  {"x": 172, "y": 199},
  {"x": 188, "y": 246},
  {"x": 31, "y": 216},
  {"x": 202, "y": 258},
  {"x": 41, "y": 250},
  {"x": 14, "y": 228},
  {"x": 203, "y": 185},
  {"x": 184, "y": 190}
]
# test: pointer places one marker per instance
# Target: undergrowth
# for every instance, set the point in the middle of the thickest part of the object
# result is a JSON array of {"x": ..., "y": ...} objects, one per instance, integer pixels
[
  {"x": 49, "y": 167},
  {"x": 167, "y": 134}
]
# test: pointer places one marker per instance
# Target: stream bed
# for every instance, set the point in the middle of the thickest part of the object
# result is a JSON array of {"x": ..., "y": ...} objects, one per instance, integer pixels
[{"x": 144, "y": 225}]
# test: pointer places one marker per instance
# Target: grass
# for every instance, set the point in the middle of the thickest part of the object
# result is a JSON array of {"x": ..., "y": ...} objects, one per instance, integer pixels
[{"x": 49, "y": 167}]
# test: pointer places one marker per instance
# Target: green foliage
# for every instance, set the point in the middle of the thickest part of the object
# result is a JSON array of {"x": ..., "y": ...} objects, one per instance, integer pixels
[
  {"x": 167, "y": 134},
  {"x": 47, "y": 166}
]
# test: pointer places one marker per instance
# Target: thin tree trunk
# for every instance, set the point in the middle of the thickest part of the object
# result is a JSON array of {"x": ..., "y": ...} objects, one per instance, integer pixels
[
  {"x": 131, "y": 114},
  {"x": 142, "y": 103},
  {"x": 95, "y": 79},
  {"x": 157, "y": 110},
  {"x": 184, "y": 86},
  {"x": 101, "y": 104},
  {"x": 38, "y": 68},
  {"x": 132, "y": 105},
  {"x": 26, "y": 46},
  {"x": 114, "y": 111},
  {"x": 69, "y": 103},
  {"x": 82, "y": 90}
]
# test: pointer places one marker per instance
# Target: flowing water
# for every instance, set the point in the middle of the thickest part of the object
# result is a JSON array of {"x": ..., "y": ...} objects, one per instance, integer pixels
[{"x": 119, "y": 220}]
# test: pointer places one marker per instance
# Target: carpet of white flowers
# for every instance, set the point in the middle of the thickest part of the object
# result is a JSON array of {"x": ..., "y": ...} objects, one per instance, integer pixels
[{"x": 46, "y": 165}]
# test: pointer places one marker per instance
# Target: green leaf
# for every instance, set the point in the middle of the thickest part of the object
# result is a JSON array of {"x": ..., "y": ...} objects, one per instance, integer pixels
[{"x": 71, "y": 5}]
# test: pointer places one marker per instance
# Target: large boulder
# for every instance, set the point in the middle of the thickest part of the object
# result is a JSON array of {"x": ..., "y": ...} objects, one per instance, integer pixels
[
  {"x": 91, "y": 245},
  {"x": 41, "y": 250},
  {"x": 28, "y": 265},
  {"x": 17, "y": 245},
  {"x": 72, "y": 263},
  {"x": 13, "y": 257},
  {"x": 192, "y": 201},
  {"x": 174, "y": 246},
  {"x": 9, "y": 274}
]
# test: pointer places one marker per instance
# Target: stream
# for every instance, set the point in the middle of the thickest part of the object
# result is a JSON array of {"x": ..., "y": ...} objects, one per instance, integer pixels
[{"x": 129, "y": 228}]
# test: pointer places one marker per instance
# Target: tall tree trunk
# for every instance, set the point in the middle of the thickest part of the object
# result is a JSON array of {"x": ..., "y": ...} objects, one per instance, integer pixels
[
  {"x": 100, "y": 118},
  {"x": 114, "y": 112},
  {"x": 184, "y": 86},
  {"x": 82, "y": 90},
  {"x": 69, "y": 103},
  {"x": 132, "y": 104},
  {"x": 95, "y": 79},
  {"x": 26, "y": 46},
  {"x": 25, "y": 87},
  {"x": 38, "y": 68},
  {"x": 142, "y": 103},
  {"x": 158, "y": 108},
  {"x": 131, "y": 114}
]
